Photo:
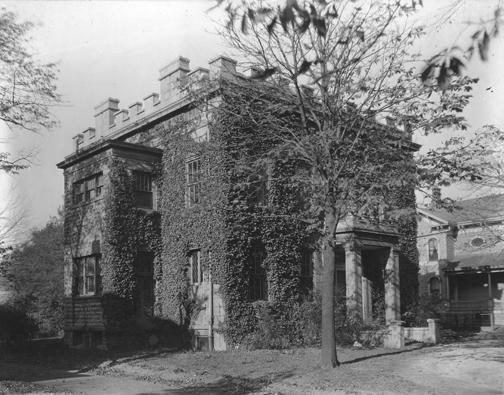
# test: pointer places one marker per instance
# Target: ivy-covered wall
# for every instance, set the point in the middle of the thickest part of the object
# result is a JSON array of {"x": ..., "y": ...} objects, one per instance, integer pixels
[
  {"x": 225, "y": 227},
  {"x": 128, "y": 230}
]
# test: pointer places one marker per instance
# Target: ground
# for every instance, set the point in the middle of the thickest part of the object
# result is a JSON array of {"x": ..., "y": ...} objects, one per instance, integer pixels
[{"x": 473, "y": 364}]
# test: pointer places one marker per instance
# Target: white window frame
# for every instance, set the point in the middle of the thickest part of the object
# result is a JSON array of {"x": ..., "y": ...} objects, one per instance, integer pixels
[
  {"x": 193, "y": 181},
  {"x": 144, "y": 186},
  {"x": 88, "y": 188},
  {"x": 81, "y": 276},
  {"x": 429, "y": 250}
]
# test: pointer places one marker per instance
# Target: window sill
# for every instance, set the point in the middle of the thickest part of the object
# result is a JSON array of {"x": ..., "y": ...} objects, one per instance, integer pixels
[
  {"x": 79, "y": 297},
  {"x": 87, "y": 202}
]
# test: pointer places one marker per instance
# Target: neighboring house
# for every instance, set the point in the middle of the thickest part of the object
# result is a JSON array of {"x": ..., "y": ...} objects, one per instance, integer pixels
[
  {"x": 140, "y": 247},
  {"x": 462, "y": 258}
]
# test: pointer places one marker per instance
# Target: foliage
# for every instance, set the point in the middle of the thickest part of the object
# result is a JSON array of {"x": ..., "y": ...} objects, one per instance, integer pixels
[
  {"x": 409, "y": 257},
  {"x": 313, "y": 17},
  {"x": 34, "y": 272},
  {"x": 356, "y": 61},
  {"x": 477, "y": 161},
  {"x": 427, "y": 306},
  {"x": 15, "y": 325},
  {"x": 128, "y": 229},
  {"x": 300, "y": 324},
  {"x": 27, "y": 90}
]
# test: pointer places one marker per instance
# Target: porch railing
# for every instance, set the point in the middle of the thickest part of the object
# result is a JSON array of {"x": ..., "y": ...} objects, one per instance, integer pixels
[{"x": 475, "y": 306}]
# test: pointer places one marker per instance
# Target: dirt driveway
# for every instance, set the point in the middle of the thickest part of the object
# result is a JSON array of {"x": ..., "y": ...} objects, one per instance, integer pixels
[{"x": 474, "y": 366}]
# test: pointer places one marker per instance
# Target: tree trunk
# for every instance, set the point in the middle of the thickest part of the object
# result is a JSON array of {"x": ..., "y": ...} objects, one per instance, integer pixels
[{"x": 329, "y": 358}]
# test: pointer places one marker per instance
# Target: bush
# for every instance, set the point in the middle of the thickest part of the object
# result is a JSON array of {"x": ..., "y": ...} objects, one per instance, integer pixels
[
  {"x": 427, "y": 306},
  {"x": 301, "y": 324},
  {"x": 15, "y": 326}
]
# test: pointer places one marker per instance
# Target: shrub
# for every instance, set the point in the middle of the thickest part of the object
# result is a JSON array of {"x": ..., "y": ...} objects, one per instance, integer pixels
[
  {"x": 427, "y": 306},
  {"x": 301, "y": 324},
  {"x": 15, "y": 325}
]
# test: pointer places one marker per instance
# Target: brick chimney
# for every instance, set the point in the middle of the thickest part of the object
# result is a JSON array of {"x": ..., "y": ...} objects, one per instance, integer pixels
[
  {"x": 104, "y": 115},
  {"x": 169, "y": 77},
  {"x": 436, "y": 194}
]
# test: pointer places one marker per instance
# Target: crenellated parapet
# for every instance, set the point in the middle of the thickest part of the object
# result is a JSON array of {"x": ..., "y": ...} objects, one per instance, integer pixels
[{"x": 112, "y": 121}]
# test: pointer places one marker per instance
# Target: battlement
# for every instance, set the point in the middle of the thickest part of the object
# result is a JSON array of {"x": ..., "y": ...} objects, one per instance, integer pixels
[{"x": 112, "y": 122}]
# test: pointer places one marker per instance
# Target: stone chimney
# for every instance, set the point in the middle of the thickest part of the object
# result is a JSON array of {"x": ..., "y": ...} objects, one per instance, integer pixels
[
  {"x": 222, "y": 66},
  {"x": 77, "y": 142},
  {"x": 105, "y": 115},
  {"x": 171, "y": 75}
]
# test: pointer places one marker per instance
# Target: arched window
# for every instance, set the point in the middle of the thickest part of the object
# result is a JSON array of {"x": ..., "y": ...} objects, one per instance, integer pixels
[
  {"x": 435, "y": 285},
  {"x": 433, "y": 250}
]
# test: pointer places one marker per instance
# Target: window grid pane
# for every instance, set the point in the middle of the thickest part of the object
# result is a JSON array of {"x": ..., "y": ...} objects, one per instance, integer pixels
[
  {"x": 193, "y": 188},
  {"x": 142, "y": 189},
  {"x": 258, "y": 289},
  {"x": 87, "y": 276}
]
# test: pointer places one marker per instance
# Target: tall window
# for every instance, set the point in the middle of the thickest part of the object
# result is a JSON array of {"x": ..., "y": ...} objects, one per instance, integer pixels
[
  {"x": 88, "y": 188},
  {"x": 193, "y": 182},
  {"x": 195, "y": 267},
  {"x": 142, "y": 189},
  {"x": 87, "y": 276},
  {"x": 433, "y": 250},
  {"x": 435, "y": 285},
  {"x": 306, "y": 272},
  {"x": 258, "y": 285},
  {"x": 258, "y": 185},
  {"x": 145, "y": 284}
]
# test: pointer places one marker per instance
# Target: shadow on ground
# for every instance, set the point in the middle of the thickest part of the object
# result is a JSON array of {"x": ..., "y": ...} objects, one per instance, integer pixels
[{"x": 228, "y": 385}]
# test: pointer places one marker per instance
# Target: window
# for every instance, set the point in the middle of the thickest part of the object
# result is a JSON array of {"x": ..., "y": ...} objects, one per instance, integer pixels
[
  {"x": 142, "y": 189},
  {"x": 306, "y": 272},
  {"x": 195, "y": 267},
  {"x": 477, "y": 242},
  {"x": 87, "y": 276},
  {"x": 145, "y": 284},
  {"x": 259, "y": 188},
  {"x": 433, "y": 250},
  {"x": 193, "y": 186},
  {"x": 88, "y": 188},
  {"x": 435, "y": 285},
  {"x": 258, "y": 286}
]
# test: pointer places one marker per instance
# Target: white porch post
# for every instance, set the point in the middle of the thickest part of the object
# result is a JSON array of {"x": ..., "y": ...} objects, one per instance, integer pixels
[
  {"x": 392, "y": 291},
  {"x": 353, "y": 269}
]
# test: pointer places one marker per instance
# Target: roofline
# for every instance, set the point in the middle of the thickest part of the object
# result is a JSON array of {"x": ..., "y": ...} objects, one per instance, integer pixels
[
  {"x": 429, "y": 214},
  {"x": 103, "y": 146}
]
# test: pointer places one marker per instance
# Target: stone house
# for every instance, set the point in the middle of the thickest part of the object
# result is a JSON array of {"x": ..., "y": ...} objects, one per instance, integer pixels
[
  {"x": 461, "y": 258},
  {"x": 141, "y": 250}
]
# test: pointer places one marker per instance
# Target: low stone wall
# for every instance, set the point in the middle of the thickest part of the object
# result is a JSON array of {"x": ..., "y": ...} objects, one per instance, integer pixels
[{"x": 398, "y": 333}]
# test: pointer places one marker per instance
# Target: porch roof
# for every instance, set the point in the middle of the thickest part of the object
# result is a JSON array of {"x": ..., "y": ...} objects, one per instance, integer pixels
[
  {"x": 464, "y": 212},
  {"x": 485, "y": 258}
]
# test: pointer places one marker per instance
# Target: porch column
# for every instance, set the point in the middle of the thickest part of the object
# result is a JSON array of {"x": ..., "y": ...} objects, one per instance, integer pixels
[
  {"x": 392, "y": 291},
  {"x": 367, "y": 301},
  {"x": 353, "y": 269}
]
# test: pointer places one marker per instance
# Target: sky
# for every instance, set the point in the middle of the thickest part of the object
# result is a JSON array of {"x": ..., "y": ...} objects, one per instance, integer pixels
[{"x": 116, "y": 48}]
